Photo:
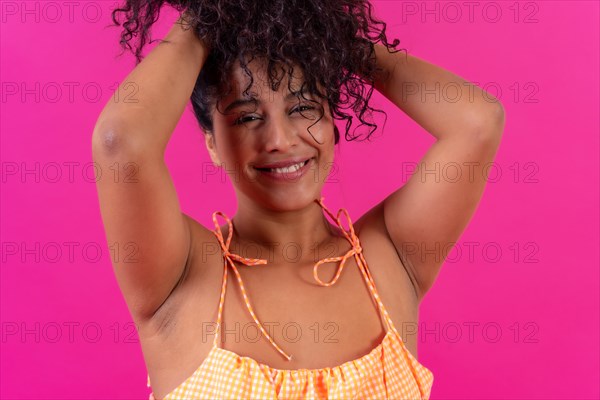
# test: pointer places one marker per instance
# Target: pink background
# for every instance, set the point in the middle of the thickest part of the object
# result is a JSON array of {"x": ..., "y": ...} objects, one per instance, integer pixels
[{"x": 66, "y": 331}]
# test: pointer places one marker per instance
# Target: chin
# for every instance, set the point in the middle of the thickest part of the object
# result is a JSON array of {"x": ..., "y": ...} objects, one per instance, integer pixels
[{"x": 289, "y": 200}]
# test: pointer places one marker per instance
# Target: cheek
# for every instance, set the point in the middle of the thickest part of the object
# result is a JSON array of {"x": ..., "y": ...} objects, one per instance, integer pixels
[
  {"x": 235, "y": 150},
  {"x": 226, "y": 139}
]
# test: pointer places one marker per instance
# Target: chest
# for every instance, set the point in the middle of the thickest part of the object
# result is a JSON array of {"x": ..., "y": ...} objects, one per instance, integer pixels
[{"x": 319, "y": 326}]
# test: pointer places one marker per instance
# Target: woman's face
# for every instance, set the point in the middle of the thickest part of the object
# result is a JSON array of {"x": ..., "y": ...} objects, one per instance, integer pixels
[{"x": 256, "y": 133}]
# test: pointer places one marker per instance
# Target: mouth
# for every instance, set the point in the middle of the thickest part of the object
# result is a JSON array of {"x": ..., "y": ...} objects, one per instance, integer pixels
[
  {"x": 287, "y": 169},
  {"x": 287, "y": 173}
]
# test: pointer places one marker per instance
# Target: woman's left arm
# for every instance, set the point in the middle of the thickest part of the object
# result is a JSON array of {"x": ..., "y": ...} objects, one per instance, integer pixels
[
  {"x": 444, "y": 104},
  {"x": 427, "y": 215}
]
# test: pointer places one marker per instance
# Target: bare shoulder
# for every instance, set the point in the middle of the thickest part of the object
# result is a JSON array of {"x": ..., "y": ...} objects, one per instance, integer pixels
[
  {"x": 381, "y": 255},
  {"x": 204, "y": 242},
  {"x": 205, "y": 252},
  {"x": 369, "y": 218},
  {"x": 205, "y": 248},
  {"x": 197, "y": 279}
]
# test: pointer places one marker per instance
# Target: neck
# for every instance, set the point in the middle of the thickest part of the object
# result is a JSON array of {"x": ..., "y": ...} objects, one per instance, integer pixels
[{"x": 281, "y": 236}]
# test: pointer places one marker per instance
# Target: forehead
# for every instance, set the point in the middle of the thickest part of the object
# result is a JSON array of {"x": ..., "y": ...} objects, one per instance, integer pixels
[{"x": 261, "y": 87}]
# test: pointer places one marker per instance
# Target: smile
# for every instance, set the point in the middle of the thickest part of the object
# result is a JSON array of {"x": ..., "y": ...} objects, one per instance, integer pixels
[
  {"x": 291, "y": 168},
  {"x": 291, "y": 172}
]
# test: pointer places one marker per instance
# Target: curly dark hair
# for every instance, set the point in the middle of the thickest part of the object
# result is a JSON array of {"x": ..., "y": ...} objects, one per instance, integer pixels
[{"x": 332, "y": 41}]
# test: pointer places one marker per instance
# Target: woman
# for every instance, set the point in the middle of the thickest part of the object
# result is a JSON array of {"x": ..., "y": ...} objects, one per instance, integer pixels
[{"x": 266, "y": 80}]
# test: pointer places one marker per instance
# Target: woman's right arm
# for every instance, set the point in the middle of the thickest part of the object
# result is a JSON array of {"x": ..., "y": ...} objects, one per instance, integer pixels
[{"x": 149, "y": 236}]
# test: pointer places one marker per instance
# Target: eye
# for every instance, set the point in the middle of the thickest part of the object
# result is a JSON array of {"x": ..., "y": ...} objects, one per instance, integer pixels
[
  {"x": 243, "y": 120},
  {"x": 303, "y": 107}
]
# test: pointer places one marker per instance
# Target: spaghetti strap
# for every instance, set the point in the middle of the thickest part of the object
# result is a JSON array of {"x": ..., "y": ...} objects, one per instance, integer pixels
[
  {"x": 355, "y": 251},
  {"x": 229, "y": 258},
  {"x": 361, "y": 262},
  {"x": 387, "y": 371}
]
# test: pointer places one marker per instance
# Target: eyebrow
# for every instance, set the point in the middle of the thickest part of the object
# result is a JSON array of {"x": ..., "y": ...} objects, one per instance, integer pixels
[{"x": 253, "y": 100}]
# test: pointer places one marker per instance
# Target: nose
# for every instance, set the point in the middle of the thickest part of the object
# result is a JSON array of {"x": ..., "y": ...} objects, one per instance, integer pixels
[{"x": 279, "y": 135}]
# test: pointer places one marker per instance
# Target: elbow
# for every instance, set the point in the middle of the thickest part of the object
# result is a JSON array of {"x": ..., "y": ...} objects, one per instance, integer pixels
[
  {"x": 497, "y": 118},
  {"x": 488, "y": 124},
  {"x": 111, "y": 141},
  {"x": 106, "y": 142}
]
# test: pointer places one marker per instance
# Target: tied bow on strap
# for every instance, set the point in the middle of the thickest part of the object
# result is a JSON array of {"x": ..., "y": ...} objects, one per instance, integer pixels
[
  {"x": 225, "y": 245},
  {"x": 356, "y": 251},
  {"x": 229, "y": 257},
  {"x": 352, "y": 238}
]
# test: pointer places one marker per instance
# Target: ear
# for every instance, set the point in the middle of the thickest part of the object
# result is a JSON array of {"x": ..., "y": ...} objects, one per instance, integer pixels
[{"x": 212, "y": 149}]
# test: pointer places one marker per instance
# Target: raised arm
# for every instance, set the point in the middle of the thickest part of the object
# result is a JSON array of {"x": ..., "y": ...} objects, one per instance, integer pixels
[
  {"x": 144, "y": 226},
  {"x": 427, "y": 215}
]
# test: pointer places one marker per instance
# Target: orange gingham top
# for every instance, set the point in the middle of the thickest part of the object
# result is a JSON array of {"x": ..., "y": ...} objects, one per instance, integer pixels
[{"x": 389, "y": 371}]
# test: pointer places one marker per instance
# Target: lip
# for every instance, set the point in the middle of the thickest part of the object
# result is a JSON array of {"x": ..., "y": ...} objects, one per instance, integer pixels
[{"x": 287, "y": 176}]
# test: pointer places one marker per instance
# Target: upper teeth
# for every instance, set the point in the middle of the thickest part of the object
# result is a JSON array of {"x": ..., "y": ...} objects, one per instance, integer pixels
[{"x": 291, "y": 168}]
